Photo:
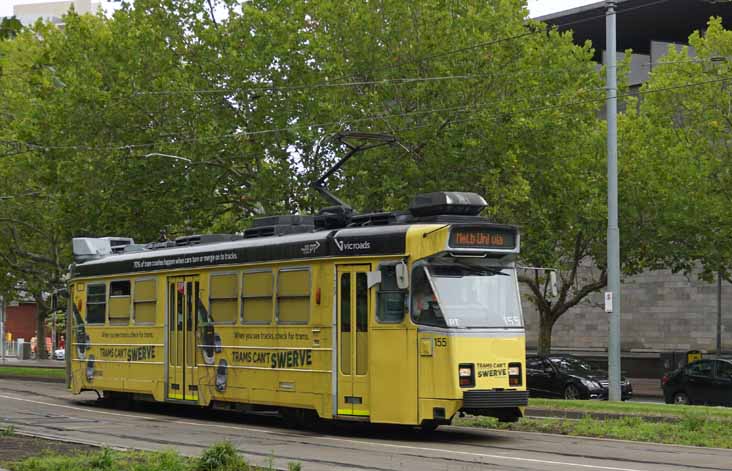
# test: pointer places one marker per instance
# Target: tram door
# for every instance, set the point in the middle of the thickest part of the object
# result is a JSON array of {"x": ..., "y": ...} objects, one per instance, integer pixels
[
  {"x": 183, "y": 292},
  {"x": 353, "y": 329}
]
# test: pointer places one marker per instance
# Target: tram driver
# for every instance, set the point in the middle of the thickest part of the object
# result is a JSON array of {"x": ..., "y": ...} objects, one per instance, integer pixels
[{"x": 426, "y": 309}]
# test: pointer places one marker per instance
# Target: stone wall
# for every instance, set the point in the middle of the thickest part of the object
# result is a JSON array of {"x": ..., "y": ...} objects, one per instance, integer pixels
[{"x": 661, "y": 311}]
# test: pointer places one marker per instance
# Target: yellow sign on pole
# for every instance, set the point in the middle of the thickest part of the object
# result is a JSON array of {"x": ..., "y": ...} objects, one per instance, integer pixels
[{"x": 693, "y": 355}]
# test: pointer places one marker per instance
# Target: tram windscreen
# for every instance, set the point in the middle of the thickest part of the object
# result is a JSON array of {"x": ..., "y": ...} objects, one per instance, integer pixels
[{"x": 465, "y": 296}]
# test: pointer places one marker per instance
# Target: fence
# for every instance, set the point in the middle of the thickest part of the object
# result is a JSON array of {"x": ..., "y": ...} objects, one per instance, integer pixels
[{"x": 13, "y": 348}]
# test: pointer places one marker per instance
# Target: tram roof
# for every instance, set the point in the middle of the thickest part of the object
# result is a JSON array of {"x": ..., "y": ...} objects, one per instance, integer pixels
[
  {"x": 346, "y": 242},
  {"x": 379, "y": 240},
  {"x": 334, "y": 232}
]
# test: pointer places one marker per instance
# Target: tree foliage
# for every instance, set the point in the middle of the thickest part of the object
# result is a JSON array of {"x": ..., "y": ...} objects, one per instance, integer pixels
[
  {"x": 683, "y": 134},
  {"x": 165, "y": 117}
]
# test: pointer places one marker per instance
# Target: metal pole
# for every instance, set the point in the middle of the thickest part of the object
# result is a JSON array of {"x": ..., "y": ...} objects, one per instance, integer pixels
[
  {"x": 719, "y": 314},
  {"x": 613, "y": 232},
  {"x": 2, "y": 329},
  {"x": 53, "y": 333}
]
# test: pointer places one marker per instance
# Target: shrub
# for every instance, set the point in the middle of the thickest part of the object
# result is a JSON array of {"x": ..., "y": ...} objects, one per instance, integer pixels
[{"x": 221, "y": 457}]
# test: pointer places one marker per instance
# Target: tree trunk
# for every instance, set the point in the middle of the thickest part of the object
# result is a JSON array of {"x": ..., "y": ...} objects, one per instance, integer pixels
[
  {"x": 545, "y": 335},
  {"x": 41, "y": 313}
]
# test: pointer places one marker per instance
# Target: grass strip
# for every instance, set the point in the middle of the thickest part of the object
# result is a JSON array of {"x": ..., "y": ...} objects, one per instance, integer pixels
[
  {"x": 218, "y": 457},
  {"x": 693, "y": 430},
  {"x": 27, "y": 372},
  {"x": 632, "y": 408}
]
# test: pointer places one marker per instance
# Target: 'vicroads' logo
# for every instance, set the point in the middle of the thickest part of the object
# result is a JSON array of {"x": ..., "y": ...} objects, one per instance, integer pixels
[{"x": 363, "y": 245}]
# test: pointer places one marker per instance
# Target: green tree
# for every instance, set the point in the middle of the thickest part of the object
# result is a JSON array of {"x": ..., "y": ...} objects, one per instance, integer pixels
[
  {"x": 683, "y": 132},
  {"x": 9, "y": 27},
  {"x": 77, "y": 132},
  {"x": 165, "y": 117},
  {"x": 513, "y": 119}
]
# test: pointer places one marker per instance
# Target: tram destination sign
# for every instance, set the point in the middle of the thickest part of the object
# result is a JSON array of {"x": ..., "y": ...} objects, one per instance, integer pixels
[{"x": 483, "y": 237}]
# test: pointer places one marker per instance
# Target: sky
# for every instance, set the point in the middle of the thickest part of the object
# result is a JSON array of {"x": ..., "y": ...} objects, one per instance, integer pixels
[
  {"x": 6, "y": 6},
  {"x": 537, "y": 7}
]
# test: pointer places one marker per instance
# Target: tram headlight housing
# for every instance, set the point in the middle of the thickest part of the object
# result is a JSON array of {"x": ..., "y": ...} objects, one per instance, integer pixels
[
  {"x": 466, "y": 375},
  {"x": 514, "y": 374}
]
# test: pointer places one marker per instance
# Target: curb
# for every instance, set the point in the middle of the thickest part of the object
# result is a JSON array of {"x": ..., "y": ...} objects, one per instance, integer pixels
[
  {"x": 574, "y": 415},
  {"x": 33, "y": 378},
  {"x": 14, "y": 364}
]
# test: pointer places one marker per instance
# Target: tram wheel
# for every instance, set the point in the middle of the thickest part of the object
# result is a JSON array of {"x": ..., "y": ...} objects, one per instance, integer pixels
[
  {"x": 428, "y": 426},
  {"x": 117, "y": 400},
  {"x": 299, "y": 418}
]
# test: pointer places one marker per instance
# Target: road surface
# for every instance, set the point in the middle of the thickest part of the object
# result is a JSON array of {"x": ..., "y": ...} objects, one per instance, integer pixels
[{"x": 48, "y": 409}]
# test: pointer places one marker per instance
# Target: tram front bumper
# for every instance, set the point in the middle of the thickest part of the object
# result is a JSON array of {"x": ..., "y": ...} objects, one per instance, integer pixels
[{"x": 506, "y": 405}]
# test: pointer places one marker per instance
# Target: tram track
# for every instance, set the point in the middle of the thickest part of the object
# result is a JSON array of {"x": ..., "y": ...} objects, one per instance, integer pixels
[
  {"x": 354, "y": 447},
  {"x": 450, "y": 435}
]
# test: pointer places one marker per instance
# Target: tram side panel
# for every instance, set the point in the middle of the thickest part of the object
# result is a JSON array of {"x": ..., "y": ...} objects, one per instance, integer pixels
[
  {"x": 117, "y": 336},
  {"x": 278, "y": 351},
  {"x": 392, "y": 353}
]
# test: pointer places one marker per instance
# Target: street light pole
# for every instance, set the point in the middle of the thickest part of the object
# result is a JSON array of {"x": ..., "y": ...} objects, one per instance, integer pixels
[
  {"x": 719, "y": 314},
  {"x": 613, "y": 231},
  {"x": 2, "y": 329}
]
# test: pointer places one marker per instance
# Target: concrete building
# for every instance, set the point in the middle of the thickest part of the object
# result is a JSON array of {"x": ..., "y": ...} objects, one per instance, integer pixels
[
  {"x": 52, "y": 11},
  {"x": 661, "y": 311}
]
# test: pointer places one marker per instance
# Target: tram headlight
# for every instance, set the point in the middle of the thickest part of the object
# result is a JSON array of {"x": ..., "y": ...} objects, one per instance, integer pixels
[
  {"x": 466, "y": 375},
  {"x": 514, "y": 374}
]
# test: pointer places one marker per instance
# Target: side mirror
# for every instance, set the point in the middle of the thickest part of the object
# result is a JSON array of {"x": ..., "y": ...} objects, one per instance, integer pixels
[
  {"x": 549, "y": 370},
  {"x": 402, "y": 276}
]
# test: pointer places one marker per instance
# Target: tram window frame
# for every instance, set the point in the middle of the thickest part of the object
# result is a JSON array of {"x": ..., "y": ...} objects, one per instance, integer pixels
[
  {"x": 115, "y": 319},
  {"x": 308, "y": 296},
  {"x": 236, "y": 297},
  {"x": 153, "y": 301},
  {"x": 244, "y": 297},
  {"x": 103, "y": 316},
  {"x": 380, "y": 291}
]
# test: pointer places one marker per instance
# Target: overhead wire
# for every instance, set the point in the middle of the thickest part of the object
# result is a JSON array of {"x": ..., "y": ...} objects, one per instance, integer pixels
[
  {"x": 619, "y": 96},
  {"x": 457, "y": 109},
  {"x": 377, "y": 82}
]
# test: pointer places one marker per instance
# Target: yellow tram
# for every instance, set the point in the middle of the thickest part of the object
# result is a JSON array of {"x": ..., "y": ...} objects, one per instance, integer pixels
[{"x": 398, "y": 318}]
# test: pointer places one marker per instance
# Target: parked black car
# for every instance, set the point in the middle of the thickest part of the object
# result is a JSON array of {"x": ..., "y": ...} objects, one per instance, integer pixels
[
  {"x": 701, "y": 382},
  {"x": 568, "y": 377}
]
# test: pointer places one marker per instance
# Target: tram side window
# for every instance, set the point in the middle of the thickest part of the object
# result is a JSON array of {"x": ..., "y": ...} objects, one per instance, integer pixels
[
  {"x": 293, "y": 296},
  {"x": 390, "y": 307},
  {"x": 145, "y": 301},
  {"x": 256, "y": 297},
  {"x": 119, "y": 302},
  {"x": 224, "y": 298},
  {"x": 96, "y": 303}
]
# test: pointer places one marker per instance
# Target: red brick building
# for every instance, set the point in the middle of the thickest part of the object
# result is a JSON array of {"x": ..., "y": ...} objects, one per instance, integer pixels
[{"x": 20, "y": 320}]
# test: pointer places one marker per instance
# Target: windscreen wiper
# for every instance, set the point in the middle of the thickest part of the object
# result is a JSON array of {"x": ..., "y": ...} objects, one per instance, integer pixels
[{"x": 482, "y": 270}]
